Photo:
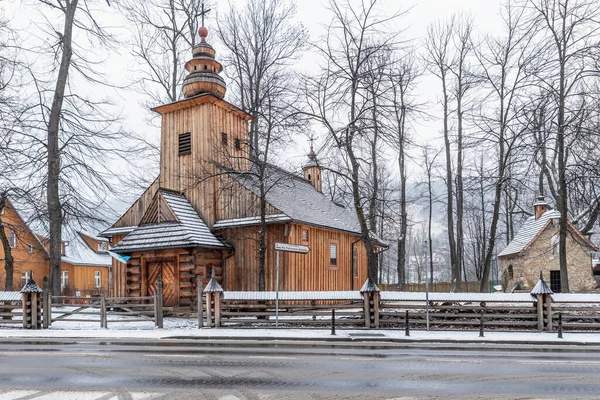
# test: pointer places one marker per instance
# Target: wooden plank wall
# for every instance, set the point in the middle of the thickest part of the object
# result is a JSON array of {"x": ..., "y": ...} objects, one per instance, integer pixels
[
  {"x": 133, "y": 215},
  {"x": 297, "y": 271},
  {"x": 187, "y": 173},
  {"x": 82, "y": 278}
]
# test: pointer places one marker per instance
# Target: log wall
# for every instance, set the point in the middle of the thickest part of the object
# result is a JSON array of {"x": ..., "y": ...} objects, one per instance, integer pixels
[{"x": 188, "y": 265}]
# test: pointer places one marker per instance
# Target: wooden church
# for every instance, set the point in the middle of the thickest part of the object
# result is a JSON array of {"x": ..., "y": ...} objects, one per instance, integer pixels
[{"x": 197, "y": 219}]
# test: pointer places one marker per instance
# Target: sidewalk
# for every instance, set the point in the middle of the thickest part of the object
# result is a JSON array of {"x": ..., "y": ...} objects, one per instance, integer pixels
[{"x": 180, "y": 328}]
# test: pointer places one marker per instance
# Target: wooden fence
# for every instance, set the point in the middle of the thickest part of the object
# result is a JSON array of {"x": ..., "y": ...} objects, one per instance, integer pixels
[
  {"x": 388, "y": 309},
  {"x": 442, "y": 287},
  {"x": 100, "y": 309}
]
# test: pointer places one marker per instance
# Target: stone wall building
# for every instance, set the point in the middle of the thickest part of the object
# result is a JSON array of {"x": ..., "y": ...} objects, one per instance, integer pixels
[{"x": 535, "y": 249}]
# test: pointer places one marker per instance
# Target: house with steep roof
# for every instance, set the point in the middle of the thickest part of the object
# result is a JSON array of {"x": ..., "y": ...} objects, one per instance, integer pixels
[
  {"x": 199, "y": 220},
  {"x": 534, "y": 249},
  {"x": 85, "y": 261}
]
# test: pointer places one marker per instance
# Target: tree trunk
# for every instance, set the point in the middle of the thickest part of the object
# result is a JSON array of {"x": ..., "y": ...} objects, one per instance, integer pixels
[
  {"x": 53, "y": 195},
  {"x": 8, "y": 257}
]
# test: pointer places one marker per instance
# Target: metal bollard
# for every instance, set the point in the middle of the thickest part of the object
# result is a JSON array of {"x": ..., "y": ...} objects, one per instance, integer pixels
[
  {"x": 406, "y": 325},
  {"x": 333, "y": 321},
  {"x": 560, "y": 326},
  {"x": 481, "y": 325}
]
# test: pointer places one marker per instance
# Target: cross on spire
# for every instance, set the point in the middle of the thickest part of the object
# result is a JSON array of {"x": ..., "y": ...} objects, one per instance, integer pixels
[
  {"x": 311, "y": 139},
  {"x": 203, "y": 12}
]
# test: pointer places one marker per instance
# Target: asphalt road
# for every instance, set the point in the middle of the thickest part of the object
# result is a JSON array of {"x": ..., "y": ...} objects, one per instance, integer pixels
[{"x": 122, "y": 369}]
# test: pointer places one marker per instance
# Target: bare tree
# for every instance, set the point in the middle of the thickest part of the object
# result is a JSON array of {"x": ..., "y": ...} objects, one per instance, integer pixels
[
  {"x": 506, "y": 67},
  {"x": 262, "y": 40},
  {"x": 439, "y": 61},
  {"x": 571, "y": 57},
  {"x": 165, "y": 31},
  {"x": 335, "y": 97}
]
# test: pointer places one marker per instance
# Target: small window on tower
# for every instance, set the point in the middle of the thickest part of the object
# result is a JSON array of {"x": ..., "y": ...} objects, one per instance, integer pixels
[
  {"x": 238, "y": 144},
  {"x": 305, "y": 235},
  {"x": 223, "y": 138},
  {"x": 185, "y": 143}
]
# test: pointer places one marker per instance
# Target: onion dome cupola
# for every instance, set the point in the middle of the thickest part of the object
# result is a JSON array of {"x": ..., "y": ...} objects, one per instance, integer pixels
[
  {"x": 312, "y": 170},
  {"x": 203, "y": 70}
]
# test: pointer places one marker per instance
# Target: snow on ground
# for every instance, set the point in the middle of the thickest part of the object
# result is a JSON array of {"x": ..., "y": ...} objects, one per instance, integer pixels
[
  {"x": 186, "y": 327},
  {"x": 120, "y": 327}
]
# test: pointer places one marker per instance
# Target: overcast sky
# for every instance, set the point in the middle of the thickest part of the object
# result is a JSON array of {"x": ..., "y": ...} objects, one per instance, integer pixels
[{"x": 313, "y": 14}]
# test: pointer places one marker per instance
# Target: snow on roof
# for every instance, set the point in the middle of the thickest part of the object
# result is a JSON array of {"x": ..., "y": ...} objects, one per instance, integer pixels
[
  {"x": 31, "y": 287},
  {"x": 249, "y": 221},
  {"x": 541, "y": 287},
  {"x": 78, "y": 252},
  {"x": 10, "y": 296},
  {"x": 188, "y": 231},
  {"x": 530, "y": 229},
  {"x": 266, "y": 296},
  {"x": 576, "y": 298},
  {"x": 462, "y": 297},
  {"x": 115, "y": 231},
  {"x": 299, "y": 200}
]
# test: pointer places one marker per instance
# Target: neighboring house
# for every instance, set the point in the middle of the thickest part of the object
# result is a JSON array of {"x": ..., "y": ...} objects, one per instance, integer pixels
[
  {"x": 196, "y": 220},
  {"x": 535, "y": 249},
  {"x": 85, "y": 266},
  {"x": 85, "y": 261},
  {"x": 28, "y": 252}
]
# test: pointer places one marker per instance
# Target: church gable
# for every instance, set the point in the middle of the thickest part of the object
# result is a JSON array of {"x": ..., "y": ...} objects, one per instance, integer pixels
[{"x": 159, "y": 211}]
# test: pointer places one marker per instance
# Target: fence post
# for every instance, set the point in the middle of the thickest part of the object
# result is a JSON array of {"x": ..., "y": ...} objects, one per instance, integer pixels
[
  {"x": 560, "y": 327},
  {"x": 481, "y": 325},
  {"x": 333, "y": 321},
  {"x": 159, "y": 303},
  {"x": 544, "y": 306},
  {"x": 406, "y": 325},
  {"x": 548, "y": 300},
  {"x": 213, "y": 303},
  {"x": 103, "y": 319},
  {"x": 31, "y": 303},
  {"x": 370, "y": 293},
  {"x": 199, "y": 302},
  {"x": 540, "y": 311},
  {"x": 47, "y": 318}
]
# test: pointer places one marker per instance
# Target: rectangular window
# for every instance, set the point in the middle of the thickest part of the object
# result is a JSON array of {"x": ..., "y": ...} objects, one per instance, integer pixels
[
  {"x": 223, "y": 138},
  {"x": 24, "y": 278},
  {"x": 64, "y": 279},
  {"x": 238, "y": 144},
  {"x": 555, "y": 281},
  {"x": 12, "y": 239},
  {"x": 102, "y": 246},
  {"x": 30, "y": 249},
  {"x": 333, "y": 256},
  {"x": 305, "y": 235},
  {"x": 98, "y": 279},
  {"x": 354, "y": 262},
  {"x": 185, "y": 143}
]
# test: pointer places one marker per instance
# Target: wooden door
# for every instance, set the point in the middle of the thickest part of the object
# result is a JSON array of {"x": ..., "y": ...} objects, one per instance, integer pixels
[{"x": 166, "y": 269}]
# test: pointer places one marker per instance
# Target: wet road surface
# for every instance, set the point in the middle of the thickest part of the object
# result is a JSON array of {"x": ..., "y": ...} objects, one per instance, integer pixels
[{"x": 122, "y": 369}]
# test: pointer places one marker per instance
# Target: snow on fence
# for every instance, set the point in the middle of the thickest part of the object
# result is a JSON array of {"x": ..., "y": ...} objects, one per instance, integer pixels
[
  {"x": 11, "y": 309},
  {"x": 371, "y": 308}
]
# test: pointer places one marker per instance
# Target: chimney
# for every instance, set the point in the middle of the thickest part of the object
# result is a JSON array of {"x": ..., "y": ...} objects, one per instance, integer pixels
[{"x": 540, "y": 206}]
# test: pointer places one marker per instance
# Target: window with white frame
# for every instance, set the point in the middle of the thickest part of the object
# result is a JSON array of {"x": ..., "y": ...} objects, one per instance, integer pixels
[
  {"x": 64, "y": 279},
  {"x": 24, "y": 278},
  {"x": 102, "y": 246},
  {"x": 98, "y": 279},
  {"x": 12, "y": 239}
]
